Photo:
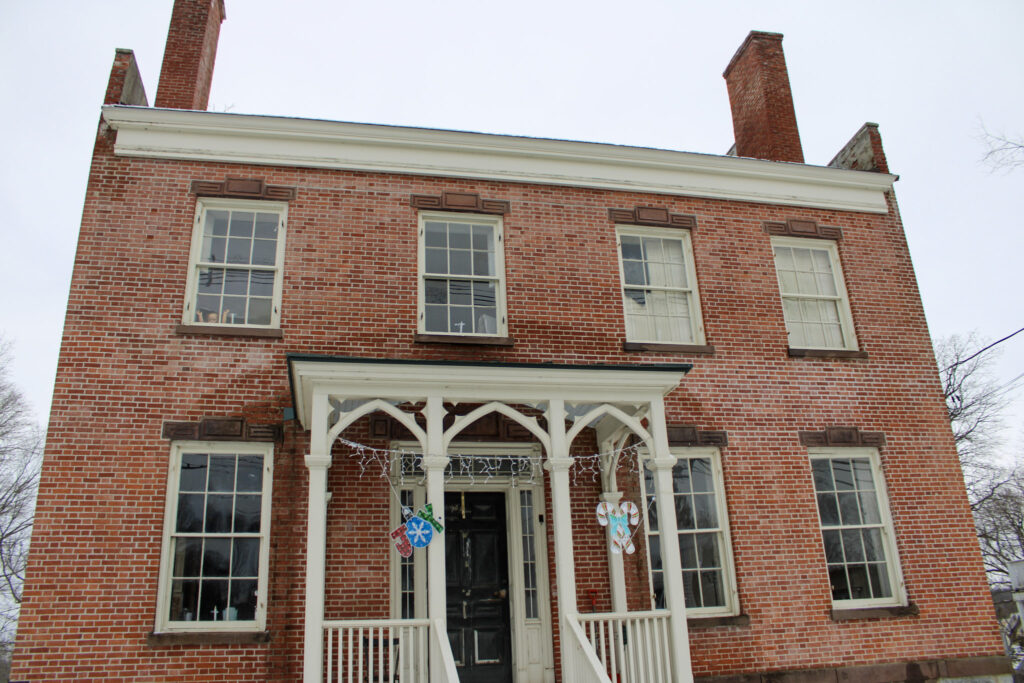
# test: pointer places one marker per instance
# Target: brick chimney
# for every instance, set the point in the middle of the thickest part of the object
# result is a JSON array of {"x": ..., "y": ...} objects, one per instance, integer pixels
[
  {"x": 189, "y": 54},
  {"x": 763, "y": 119}
]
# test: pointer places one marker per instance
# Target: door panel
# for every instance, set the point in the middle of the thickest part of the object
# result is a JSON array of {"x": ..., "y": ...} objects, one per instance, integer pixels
[{"x": 476, "y": 559}]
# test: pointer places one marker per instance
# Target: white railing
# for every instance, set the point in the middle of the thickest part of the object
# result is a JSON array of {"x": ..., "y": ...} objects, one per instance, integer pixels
[
  {"x": 579, "y": 661},
  {"x": 441, "y": 649},
  {"x": 633, "y": 647},
  {"x": 376, "y": 650}
]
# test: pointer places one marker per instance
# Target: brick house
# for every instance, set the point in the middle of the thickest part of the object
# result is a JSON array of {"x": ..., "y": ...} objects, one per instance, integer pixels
[{"x": 342, "y": 401}]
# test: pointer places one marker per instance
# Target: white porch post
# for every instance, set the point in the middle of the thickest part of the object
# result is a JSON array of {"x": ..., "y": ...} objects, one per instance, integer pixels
[
  {"x": 316, "y": 550},
  {"x": 616, "y": 569},
  {"x": 558, "y": 465},
  {"x": 661, "y": 464},
  {"x": 434, "y": 463}
]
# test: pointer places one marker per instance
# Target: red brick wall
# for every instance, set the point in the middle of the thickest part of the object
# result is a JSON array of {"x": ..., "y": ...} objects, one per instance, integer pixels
[
  {"x": 189, "y": 54},
  {"x": 350, "y": 286}
]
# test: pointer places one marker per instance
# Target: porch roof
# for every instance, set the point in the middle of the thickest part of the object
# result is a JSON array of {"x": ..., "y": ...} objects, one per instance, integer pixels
[{"x": 406, "y": 379}]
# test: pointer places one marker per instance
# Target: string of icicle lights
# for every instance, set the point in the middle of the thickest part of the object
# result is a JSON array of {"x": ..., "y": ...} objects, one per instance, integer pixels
[{"x": 479, "y": 468}]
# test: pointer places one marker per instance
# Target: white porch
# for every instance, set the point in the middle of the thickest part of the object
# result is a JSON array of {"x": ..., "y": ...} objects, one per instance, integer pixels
[{"x": 617, "y": 401}]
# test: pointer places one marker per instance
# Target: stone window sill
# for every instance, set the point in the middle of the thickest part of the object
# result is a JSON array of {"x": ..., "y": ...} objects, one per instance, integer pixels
[
  {"x": 712, "y": 622},
  {"x": 826, "y": 353},
  {"x": 208, "y": 638},
  {"x": 875, "y": 612},
  {"x": 477, "y": 339},
  {"x": 228, "y": 331},
  {"x": 705, "y": 349}
]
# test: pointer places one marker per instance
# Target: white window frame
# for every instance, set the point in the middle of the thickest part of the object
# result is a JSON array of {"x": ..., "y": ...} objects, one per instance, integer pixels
[
  {"x": 163, "y": 623},
  {"x": 692, "y": 291},
  {"x": 501, "y": 313},
  {"x": 195, "y": 262},
  {"x": 731, "y": 606},
  {"x": 842, "y": 297},
  {"x": 895, "y": 572}
]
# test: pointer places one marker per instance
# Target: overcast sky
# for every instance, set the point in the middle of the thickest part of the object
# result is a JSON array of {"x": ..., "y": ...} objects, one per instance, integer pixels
[{"x": 643, "y": 73}]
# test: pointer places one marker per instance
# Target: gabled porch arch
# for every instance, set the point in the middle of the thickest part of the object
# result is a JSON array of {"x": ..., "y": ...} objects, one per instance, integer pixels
[{"x": 558, "y": 391}]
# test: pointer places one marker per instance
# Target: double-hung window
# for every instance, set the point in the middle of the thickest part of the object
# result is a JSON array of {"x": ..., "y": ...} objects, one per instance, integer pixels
[
  {"x": 236, "y": 264},
  {"x": 213, "y": 576},
  {"x": 462, "y": 275},
  {"x": 659, "y": 286},
  {"x": 856, "y": 529},
  {"x": 814, "y": 299},
  {"x": 709, "y": 584}
]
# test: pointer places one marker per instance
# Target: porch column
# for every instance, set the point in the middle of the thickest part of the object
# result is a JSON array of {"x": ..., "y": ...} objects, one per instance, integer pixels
[
  {"x": 558, "y": 465},
  {"x": 616, "y": 569},
  {"x": 434, "y": 463},
  {"x": 661, "y": 464},
  {"x": 316, "y": 550}
]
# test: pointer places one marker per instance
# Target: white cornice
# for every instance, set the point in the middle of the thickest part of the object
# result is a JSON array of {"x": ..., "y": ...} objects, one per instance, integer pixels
[{"x": 279, "y": 141}]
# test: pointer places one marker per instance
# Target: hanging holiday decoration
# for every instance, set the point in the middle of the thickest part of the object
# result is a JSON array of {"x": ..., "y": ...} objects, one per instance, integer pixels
[
  {"x": 417, "y": 531},
  {"x": 619, "y": 518}
]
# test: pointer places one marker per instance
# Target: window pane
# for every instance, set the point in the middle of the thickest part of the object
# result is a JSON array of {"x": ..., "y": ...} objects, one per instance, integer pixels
[
  {"x": 461, "y": 262},
  {"x": 218, "y": 513},
  {"x": 483, "y": 238},
  {"x": 655, "y": 545},
  {"x": 461, "y": 319},
  {"x": 216, "y": 556},
  {"x": 707, "y": 514},
  {"x": 711, "y": 589},
  {"x": 435, "y": 319},
  {"x": 630, "y": 246},
  {"x": 828, "y": 509},
  {"x": 822, "y": 470},
  {"x": 245, "y": 561},
  {"x": 436, "y": 261},
  {"x": 211, "y": 281},
  {"x": 213, "y": 600},
  {"x": 848, "y": 510},
  {"x": 243, "y": 601},
  {"x": 188, "y": 557},
  {"x": 869, "y": 508},
  {"x": 435, "y": 291},
  {"x": 250, "y": 473},
  {"x": 843, "y": 475},
  {"x": 236, "y": 282},
  {"x": 436, "y": 235},
  {"x": 691, "y": 589},
  {"x": 833, "y": 546},
  {"x": 241, "y": 223},
  {"x": 853, "y": 548},
  {"x": 259, "y": 312},
  {"x": 222, "y": 473},
  {"x": 707, "y": 551},
  {"x": 684, "y": 512},
  {"x": 633, "y": 273},
  {"x": 701, "y": 469},
  {"x": 460, "y": 292},
  {"x": 193, "y": 472},
  {"x": 840, "y": 586},
  {"x": 261, "y": 283},
  {"x": 484, "y": 294},
  {"x": 266, "y": 226},
  {"x": 860, "y": 587},
  {"x": 264, "y": 252},
  {"x": 184, "y": 600},
  {"x": 239, "y": 249},
  {"x": 879, "y": 577},
  {"x": 190, "y": 513},
  {"x": 247, "y": 513},
  {"x": 873, "y": 551},
  {"x": 213, "y": 249},
  {"x": 688, "y": 551},
  {"x": 459, "y": 236},
  {"x": 216, "y": 222}
]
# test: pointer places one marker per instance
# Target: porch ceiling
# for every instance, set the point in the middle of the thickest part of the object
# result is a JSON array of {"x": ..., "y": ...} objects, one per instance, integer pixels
[{"x": 457, "y": 381}]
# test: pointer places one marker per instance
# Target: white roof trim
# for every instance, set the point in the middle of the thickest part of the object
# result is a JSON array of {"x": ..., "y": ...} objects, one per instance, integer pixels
[
  {"x": 279, "y": 141},
  {"x": 472, "y": 383}
]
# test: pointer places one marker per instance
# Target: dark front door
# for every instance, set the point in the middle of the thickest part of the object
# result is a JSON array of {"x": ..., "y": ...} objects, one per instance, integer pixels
[{"x": 477, "y": 567}]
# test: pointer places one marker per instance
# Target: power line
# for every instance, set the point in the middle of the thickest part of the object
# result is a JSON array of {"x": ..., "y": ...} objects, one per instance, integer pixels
[{"x": 981, "y": 351}]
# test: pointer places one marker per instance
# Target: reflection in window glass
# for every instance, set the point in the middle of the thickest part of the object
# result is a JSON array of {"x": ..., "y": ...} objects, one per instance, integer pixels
[
  {"x": 529, "y": 553},
  {"x": 811, "y": 300},
  {"x": 658, "y": 295},
  {"x": 701, "y": 536},
  {"x": 851, "y": 528},
  {"x": 460, "y": 278},
  {"x": 237, "y": 267},
  {"x": 215, "y": 546}
]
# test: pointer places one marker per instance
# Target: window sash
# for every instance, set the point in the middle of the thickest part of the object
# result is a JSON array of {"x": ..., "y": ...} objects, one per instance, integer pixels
[
  {"x": 235, "y": 308},
  {"x": 452, "y": 309},
  {"x": 178, "y": 581},
  {"x": 814, "y": 331},
  {"x": 892, "y": 578},
  {"x": 722, "y": 568},
  {"x": 664, "y": 320}
]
